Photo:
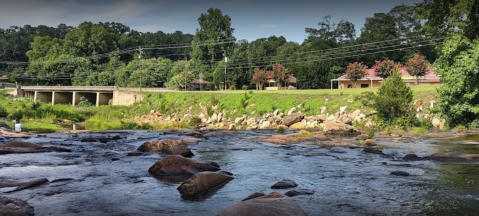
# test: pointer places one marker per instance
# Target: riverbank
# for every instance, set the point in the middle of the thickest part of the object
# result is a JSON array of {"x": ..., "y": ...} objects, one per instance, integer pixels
[{"x": 219, "y": 110}]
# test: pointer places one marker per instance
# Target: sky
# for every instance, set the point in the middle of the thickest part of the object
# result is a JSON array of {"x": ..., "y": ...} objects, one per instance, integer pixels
[{"x": 251, "y": 19}]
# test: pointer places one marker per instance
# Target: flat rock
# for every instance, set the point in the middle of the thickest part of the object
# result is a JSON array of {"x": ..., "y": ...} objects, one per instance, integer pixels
[
  {"x": 26, "y": 147},
  {"x": 171, "y": 165},
  {"x": 284, "y": 184},
  {"x": 29, "y": 184},
  {"x": 298, "y": 192},
  {"x": 273, "y": 204},
  {"x": 202, "y": 182},
  {"x": 15, "y": 207},
  {"x": 288, "y": 139},
  {"x": 332, "y": 128}
]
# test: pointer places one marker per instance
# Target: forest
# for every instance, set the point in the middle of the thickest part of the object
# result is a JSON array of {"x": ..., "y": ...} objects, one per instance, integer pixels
[{"x": 107, "y": 54}]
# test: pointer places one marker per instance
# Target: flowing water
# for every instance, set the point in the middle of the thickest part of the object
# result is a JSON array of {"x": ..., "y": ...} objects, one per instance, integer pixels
[{"x": 346, "y": 181}]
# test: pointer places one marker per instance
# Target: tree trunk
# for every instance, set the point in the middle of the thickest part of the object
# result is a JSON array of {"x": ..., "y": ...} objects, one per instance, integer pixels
[{"x": 417, "y": 81}]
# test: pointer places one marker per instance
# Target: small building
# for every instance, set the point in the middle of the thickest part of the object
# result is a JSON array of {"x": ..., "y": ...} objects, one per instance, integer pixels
[
  {"x": 200, "y": 85},
  {"x": 372, "y": 80},
  {"x": 270, "y": 84}
]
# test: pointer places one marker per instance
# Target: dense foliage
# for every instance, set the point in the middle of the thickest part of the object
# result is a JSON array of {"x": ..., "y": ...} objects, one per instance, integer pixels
[
  {"x": 385, "y": 68},
  {"x": 356, "y": 71},
  {"x": 417, "y": 67},
  {"x": 109, "y": 53}
]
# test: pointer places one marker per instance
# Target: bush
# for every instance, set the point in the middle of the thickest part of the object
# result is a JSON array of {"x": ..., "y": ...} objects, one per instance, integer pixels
[
  {"x": 3, "y": 112},
  {"x": 83, "y": 102},
  {"x": 232, "y": 87},
  {"x": 393, "y": 99},
  {"x": 245, "y": 87},
  {"x": 281, "y": 130},
  {"x": 195, "y": 121},
  {"x": 370, "y": 133}
]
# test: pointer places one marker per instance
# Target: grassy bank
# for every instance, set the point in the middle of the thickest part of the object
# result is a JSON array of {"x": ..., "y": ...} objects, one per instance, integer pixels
[{"x": 232, "y": 103}]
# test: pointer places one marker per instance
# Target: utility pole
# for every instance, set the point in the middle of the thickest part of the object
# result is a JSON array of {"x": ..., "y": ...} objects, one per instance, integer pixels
[
  {"x": 226, "y": 60},
  {"x": 139, "y": 56},
  {"x": 186, "y": 58}
]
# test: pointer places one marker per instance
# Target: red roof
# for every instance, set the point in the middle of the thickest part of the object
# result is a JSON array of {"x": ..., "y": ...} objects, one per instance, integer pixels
[{"x": 371, "y": 74}]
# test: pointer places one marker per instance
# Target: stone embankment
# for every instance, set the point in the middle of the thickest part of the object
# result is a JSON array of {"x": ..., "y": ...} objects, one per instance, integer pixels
[{"x": 331, "y": 123}]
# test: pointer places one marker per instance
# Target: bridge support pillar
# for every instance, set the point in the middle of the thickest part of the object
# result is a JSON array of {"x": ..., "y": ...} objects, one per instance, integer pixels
[{"x": 104, "y": 98}]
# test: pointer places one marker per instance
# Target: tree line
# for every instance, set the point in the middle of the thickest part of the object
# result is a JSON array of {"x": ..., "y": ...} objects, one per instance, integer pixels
[{"x": 109, "y": 53}]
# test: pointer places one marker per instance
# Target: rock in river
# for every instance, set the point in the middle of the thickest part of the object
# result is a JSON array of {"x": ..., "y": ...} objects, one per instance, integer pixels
[
  {"x": 292, "y": 119},
  {"x": 179, "y": 165},
  {"x": 273, "y": 204},
  {"x": 25, "y": 147},
  {"x": 11, "y": 206},
  {"x": 298, "y": 192},
  {"x": 285, "y": 183},
  {"x": 201, "y": 183},
  {"x": 400, "y": 173},
  {"x": 169, "y": 146}
]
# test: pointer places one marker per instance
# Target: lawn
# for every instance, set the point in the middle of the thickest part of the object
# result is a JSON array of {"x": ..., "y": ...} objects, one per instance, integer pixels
[{"x": 351, "y": 91}]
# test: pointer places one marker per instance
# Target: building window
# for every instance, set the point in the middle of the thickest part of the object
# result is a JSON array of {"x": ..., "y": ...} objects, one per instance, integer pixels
[
  {"x": 364, "y": 85},
  {"x": 350, "y": 85}
]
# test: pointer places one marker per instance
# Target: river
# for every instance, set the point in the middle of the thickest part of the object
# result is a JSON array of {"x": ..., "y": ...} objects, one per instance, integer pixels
[{"x": 346, "y": 181}]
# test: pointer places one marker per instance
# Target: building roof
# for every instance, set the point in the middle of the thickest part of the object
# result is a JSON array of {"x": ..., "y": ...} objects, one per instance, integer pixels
[{"x": 371, "y": 75}]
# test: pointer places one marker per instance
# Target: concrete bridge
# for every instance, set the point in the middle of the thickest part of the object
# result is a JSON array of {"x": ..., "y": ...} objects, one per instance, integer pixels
[{"x": 97, "y": 95}]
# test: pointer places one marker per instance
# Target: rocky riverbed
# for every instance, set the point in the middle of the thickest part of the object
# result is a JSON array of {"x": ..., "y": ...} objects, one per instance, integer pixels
[{"x": 108, "y": 173}]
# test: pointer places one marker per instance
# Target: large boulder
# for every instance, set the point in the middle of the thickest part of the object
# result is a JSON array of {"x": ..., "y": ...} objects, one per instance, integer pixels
[
  {"x": 292, "y": 119},
  {"x": 178, "y": 165},
  {"x": 332, "y": 128},
  {"x": 201, "y": 183},
  {"x": 169, "y": 146},
  {"x": 273, "y": 204},
  {"x": 12, "y": 206}
]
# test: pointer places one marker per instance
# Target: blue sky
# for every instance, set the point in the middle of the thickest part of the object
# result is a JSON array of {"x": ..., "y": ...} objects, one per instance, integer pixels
[{"x": 250, "y": 19}]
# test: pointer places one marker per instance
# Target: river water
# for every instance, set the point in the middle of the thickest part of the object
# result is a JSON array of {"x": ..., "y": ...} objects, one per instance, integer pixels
[{"x": 346, "y": 181}]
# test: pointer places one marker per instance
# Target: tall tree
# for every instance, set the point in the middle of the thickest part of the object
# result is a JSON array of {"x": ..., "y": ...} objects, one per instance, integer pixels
[{"x": 214, "y": 37}]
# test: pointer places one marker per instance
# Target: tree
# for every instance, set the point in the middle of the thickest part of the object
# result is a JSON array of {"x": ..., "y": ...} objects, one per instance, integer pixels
[
  {"x": 445, "y": 16},
  {"x": 185, "y": 80},
  {"x": 45, "y": 46},
  {"x": 89, "y": 39},
  {"x": 213, "y": 38},
  {"x": 458, "y": 96},
  {"x": 417, "y": 67},
  {"x": 355, "y": 72},
  {"x": 279, "y": 74},
  {"x": 385, "y": 68},
  {"x": 393, "y": 100},
  {"x": 259, "y": 78}
]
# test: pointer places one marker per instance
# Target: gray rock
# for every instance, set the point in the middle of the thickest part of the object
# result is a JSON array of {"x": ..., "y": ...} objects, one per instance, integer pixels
[
  {"x": 297, "y": 192},
  {"x": 284, "y": 184},
  {"x": 292, "y": 119}
]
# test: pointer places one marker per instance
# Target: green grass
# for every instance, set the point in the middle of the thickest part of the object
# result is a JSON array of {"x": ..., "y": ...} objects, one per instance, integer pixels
[{"x": 37, "y": 127}]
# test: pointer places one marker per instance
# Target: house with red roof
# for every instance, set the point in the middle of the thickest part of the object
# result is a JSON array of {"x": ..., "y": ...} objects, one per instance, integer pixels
[{"x": 372, "y": 80}]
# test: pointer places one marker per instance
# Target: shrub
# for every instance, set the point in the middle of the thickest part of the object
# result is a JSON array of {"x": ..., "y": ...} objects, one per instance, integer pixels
[
  {"x": 393, "y": 99},
  {"x": 195, "y": 121},
  {"x": 281, "y": 130},
  {"x": 370, "y": 133},
  {"x": 83, "y": 102},
  {"x": 459, "y": 128},
  {"x": 3, "y": 112},
  {"x": 245, "y": 87},
  {"x": 232, "y": 87}
]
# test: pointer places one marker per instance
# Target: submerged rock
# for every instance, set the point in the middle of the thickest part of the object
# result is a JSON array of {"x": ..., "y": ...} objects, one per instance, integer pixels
[
  {"x": 179, "y": 165},
  {"x": 169, "y": 146},
  {"x": 400, "y": 173},
  {"x": 201, "y": 183},
  {"x": 29, "y": 184},
  {"x": 14, "y": 207},
  {"x": 373, "y": 151},
  {"x": 284, "y": 184},
  {"x": 273, "y": 204},
  {"x": 295, "y": 138},
  {"x": 298, "y": 192},
  {"x": 26, "y": 147}
]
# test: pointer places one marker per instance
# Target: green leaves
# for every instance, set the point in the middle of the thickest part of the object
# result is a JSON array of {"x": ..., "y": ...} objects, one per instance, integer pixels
[{"x": 459, "y": 94}]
